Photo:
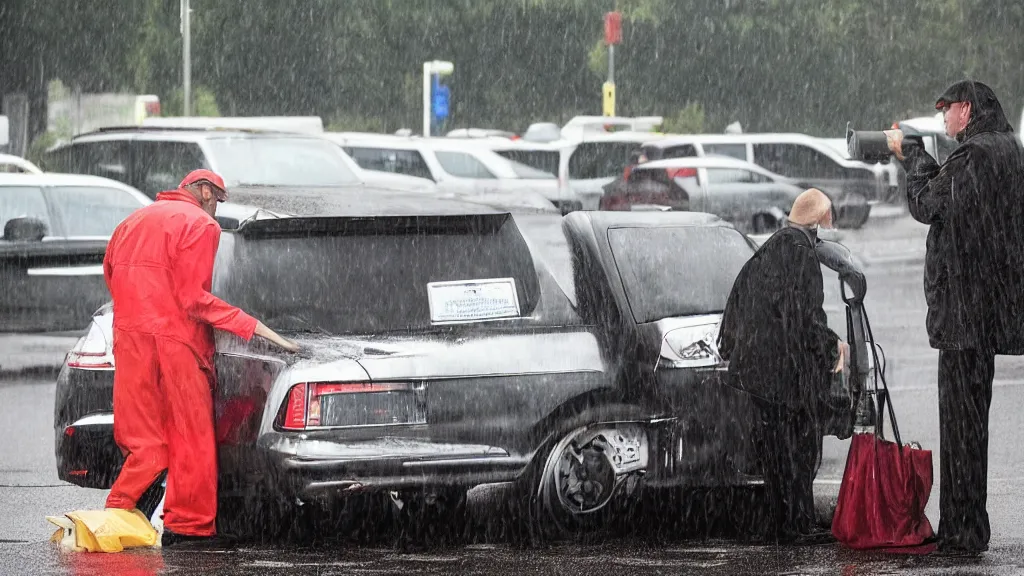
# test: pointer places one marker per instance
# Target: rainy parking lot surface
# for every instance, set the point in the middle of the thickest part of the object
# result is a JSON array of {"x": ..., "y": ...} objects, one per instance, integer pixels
[{"x": 892, "y": 252}]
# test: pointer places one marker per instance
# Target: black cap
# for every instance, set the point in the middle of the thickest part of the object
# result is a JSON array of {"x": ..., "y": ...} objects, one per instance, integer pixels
[{"x": 966, "y": 91}]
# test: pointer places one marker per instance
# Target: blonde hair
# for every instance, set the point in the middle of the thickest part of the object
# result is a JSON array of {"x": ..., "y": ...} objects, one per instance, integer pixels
[{"x": 810, "y": 208}]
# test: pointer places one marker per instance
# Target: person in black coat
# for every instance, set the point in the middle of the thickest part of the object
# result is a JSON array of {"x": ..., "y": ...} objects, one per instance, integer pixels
[
  {"x": 781, "y": 351},
  {"x": 974, "y": 286}
]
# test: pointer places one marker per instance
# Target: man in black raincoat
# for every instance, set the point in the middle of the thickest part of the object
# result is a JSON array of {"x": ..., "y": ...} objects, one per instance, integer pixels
[
  {"x": 974, "y": 286},
  {"x": 781, "y": 351}
]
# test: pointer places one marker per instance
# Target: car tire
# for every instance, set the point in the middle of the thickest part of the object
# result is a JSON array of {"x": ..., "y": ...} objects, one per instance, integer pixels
[
  {"x": 546, "y": 516},
  {"x": 764, "y": 224},
  {"x": 853, "y": 213}
]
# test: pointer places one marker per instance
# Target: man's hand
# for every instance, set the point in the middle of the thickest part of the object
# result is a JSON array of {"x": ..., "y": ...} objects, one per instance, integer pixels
[
  {"x": 263, "y": 332},
  {"x": 844, "y": 354},
  {"x": 895, "y": 141}
]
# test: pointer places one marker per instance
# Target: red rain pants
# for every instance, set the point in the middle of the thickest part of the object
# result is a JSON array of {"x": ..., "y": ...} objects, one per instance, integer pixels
[{"x": 163, "y": 419}]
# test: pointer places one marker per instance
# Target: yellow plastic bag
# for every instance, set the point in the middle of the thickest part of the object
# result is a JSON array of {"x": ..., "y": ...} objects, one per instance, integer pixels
[{"x": 110, "y": 530}]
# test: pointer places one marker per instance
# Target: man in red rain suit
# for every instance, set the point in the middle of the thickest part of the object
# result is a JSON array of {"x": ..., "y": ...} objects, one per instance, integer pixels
[{"x": 159, "y": 268}]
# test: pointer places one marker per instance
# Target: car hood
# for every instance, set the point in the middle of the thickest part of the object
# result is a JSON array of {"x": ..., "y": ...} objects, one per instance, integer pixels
[{"x": 434, "y": 356}]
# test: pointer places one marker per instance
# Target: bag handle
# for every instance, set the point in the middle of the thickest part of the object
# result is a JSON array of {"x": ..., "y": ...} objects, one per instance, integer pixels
[{"x": 884, "y": 397}]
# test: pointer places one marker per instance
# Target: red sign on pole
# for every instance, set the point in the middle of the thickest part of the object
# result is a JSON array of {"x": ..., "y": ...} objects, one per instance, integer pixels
[{"x": 613, "y": 28}]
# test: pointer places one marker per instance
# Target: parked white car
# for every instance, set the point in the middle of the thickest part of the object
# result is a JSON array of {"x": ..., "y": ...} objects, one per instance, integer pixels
[
  {"x": 461, "y": 167},
  {"x": 17, "y": 165},
  {"x": 590, "y": 164}
]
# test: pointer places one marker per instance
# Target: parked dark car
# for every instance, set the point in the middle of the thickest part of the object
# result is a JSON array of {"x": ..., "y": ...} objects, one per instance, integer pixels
[
  {"x": 55, "y": 230},
  {"x": 451, "y": 346}
]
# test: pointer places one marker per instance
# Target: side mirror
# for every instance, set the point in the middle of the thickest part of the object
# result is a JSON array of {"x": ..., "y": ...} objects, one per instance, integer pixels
[{"x": 24, "y": 230}]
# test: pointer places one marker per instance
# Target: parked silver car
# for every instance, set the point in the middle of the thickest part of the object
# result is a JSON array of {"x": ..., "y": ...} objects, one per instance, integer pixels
[{"x": 752, "y": 198}]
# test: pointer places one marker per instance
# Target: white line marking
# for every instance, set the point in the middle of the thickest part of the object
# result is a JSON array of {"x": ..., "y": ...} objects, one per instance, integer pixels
[
  {"x": 995, "y": 384},
  {"x": 96, "y": 270}
]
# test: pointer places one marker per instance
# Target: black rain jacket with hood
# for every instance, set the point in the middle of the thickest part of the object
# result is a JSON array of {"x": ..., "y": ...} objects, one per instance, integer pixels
[{"x": 974, "y": 266}]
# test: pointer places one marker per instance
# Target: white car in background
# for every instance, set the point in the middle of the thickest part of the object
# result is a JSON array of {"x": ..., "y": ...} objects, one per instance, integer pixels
[
  {"x": 17, "y": 165},
  {"x": 457, "y": 167},
  {"x": 586, "y": 166}
]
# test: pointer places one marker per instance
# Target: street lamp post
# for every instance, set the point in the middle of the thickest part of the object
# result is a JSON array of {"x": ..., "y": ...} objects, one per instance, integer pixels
[
  {"x": 440, "y": 68},
  {"x": 186, "y": 34}
]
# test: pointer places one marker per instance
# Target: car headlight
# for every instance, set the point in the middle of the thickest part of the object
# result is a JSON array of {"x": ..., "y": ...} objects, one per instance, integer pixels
[{"x": 691, "y": 346}]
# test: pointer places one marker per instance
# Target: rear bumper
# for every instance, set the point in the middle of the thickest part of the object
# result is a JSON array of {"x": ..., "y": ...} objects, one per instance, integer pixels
[
  {"x": 86, "y": 453},
  {"x": 320, "y": 468}
]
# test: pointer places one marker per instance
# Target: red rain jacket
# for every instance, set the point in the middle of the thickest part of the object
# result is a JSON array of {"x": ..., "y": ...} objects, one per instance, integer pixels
[{"x": 159, "y": 269}]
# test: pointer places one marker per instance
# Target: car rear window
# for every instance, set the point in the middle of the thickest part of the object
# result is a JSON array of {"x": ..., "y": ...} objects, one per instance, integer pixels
[
  {"x": 592, "y": 160},
  {"x": 528, "y": 172},
  {"x": 369, "y": 282},
  {"x": 544, "y": 160},
  {"x": 280, "y": 161},
  {"x": 677, "y": 271}
]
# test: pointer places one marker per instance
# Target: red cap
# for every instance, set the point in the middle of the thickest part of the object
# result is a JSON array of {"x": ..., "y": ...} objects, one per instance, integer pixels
[{"x": 209, "y": 177}]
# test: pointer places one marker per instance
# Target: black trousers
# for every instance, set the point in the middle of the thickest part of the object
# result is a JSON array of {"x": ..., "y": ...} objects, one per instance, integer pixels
[
  {"x": 965, "y": 393},
  {"x": 789, "y": 446}
]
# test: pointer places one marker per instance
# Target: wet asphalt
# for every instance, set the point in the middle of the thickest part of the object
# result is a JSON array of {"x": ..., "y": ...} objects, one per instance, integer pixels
[{"x": 655, "y": 542}]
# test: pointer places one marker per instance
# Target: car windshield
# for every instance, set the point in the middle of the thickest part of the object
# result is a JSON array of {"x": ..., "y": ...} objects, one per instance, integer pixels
[
  {"x": 280, "y": 161},
  {"x": 690, "y": 269},
  {"x": 374, "y": 282}
]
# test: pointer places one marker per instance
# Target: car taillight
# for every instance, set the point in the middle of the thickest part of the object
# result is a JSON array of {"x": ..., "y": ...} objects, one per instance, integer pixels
[
  {"x": 295, "y": 411},
  {"x": 680, "y": 172},
  {"x": 305, "y": 401},
  {"x": 92, "y": 352}
]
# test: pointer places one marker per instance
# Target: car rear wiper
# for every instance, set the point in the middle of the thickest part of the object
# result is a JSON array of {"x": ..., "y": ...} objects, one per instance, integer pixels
[{"x": 255, "y": 216}]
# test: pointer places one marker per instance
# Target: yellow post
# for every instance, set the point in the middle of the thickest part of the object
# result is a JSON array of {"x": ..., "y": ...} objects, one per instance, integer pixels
[{"x": 609, "y": 99}]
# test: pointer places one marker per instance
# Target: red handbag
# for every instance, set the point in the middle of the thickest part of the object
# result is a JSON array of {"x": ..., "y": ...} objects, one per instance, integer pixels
[{"x": 886, "y": 485}]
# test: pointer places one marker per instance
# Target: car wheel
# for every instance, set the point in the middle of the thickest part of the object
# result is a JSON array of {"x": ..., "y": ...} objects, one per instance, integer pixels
[
  {"x": 584, "y": 479},
  {"x": 763, "y": 224},
  {"x": 853, "y": 213},
  {"x": 853, "y": 217}
]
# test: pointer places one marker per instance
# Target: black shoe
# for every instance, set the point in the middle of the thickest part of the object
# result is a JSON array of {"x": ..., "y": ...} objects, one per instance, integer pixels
[
  {"x": 175, "y": 540},
  {"x": 949, "y": 551}
]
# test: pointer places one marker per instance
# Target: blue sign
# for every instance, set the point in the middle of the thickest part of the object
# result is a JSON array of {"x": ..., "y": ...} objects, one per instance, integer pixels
[{"x": 439, "y": 98}]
